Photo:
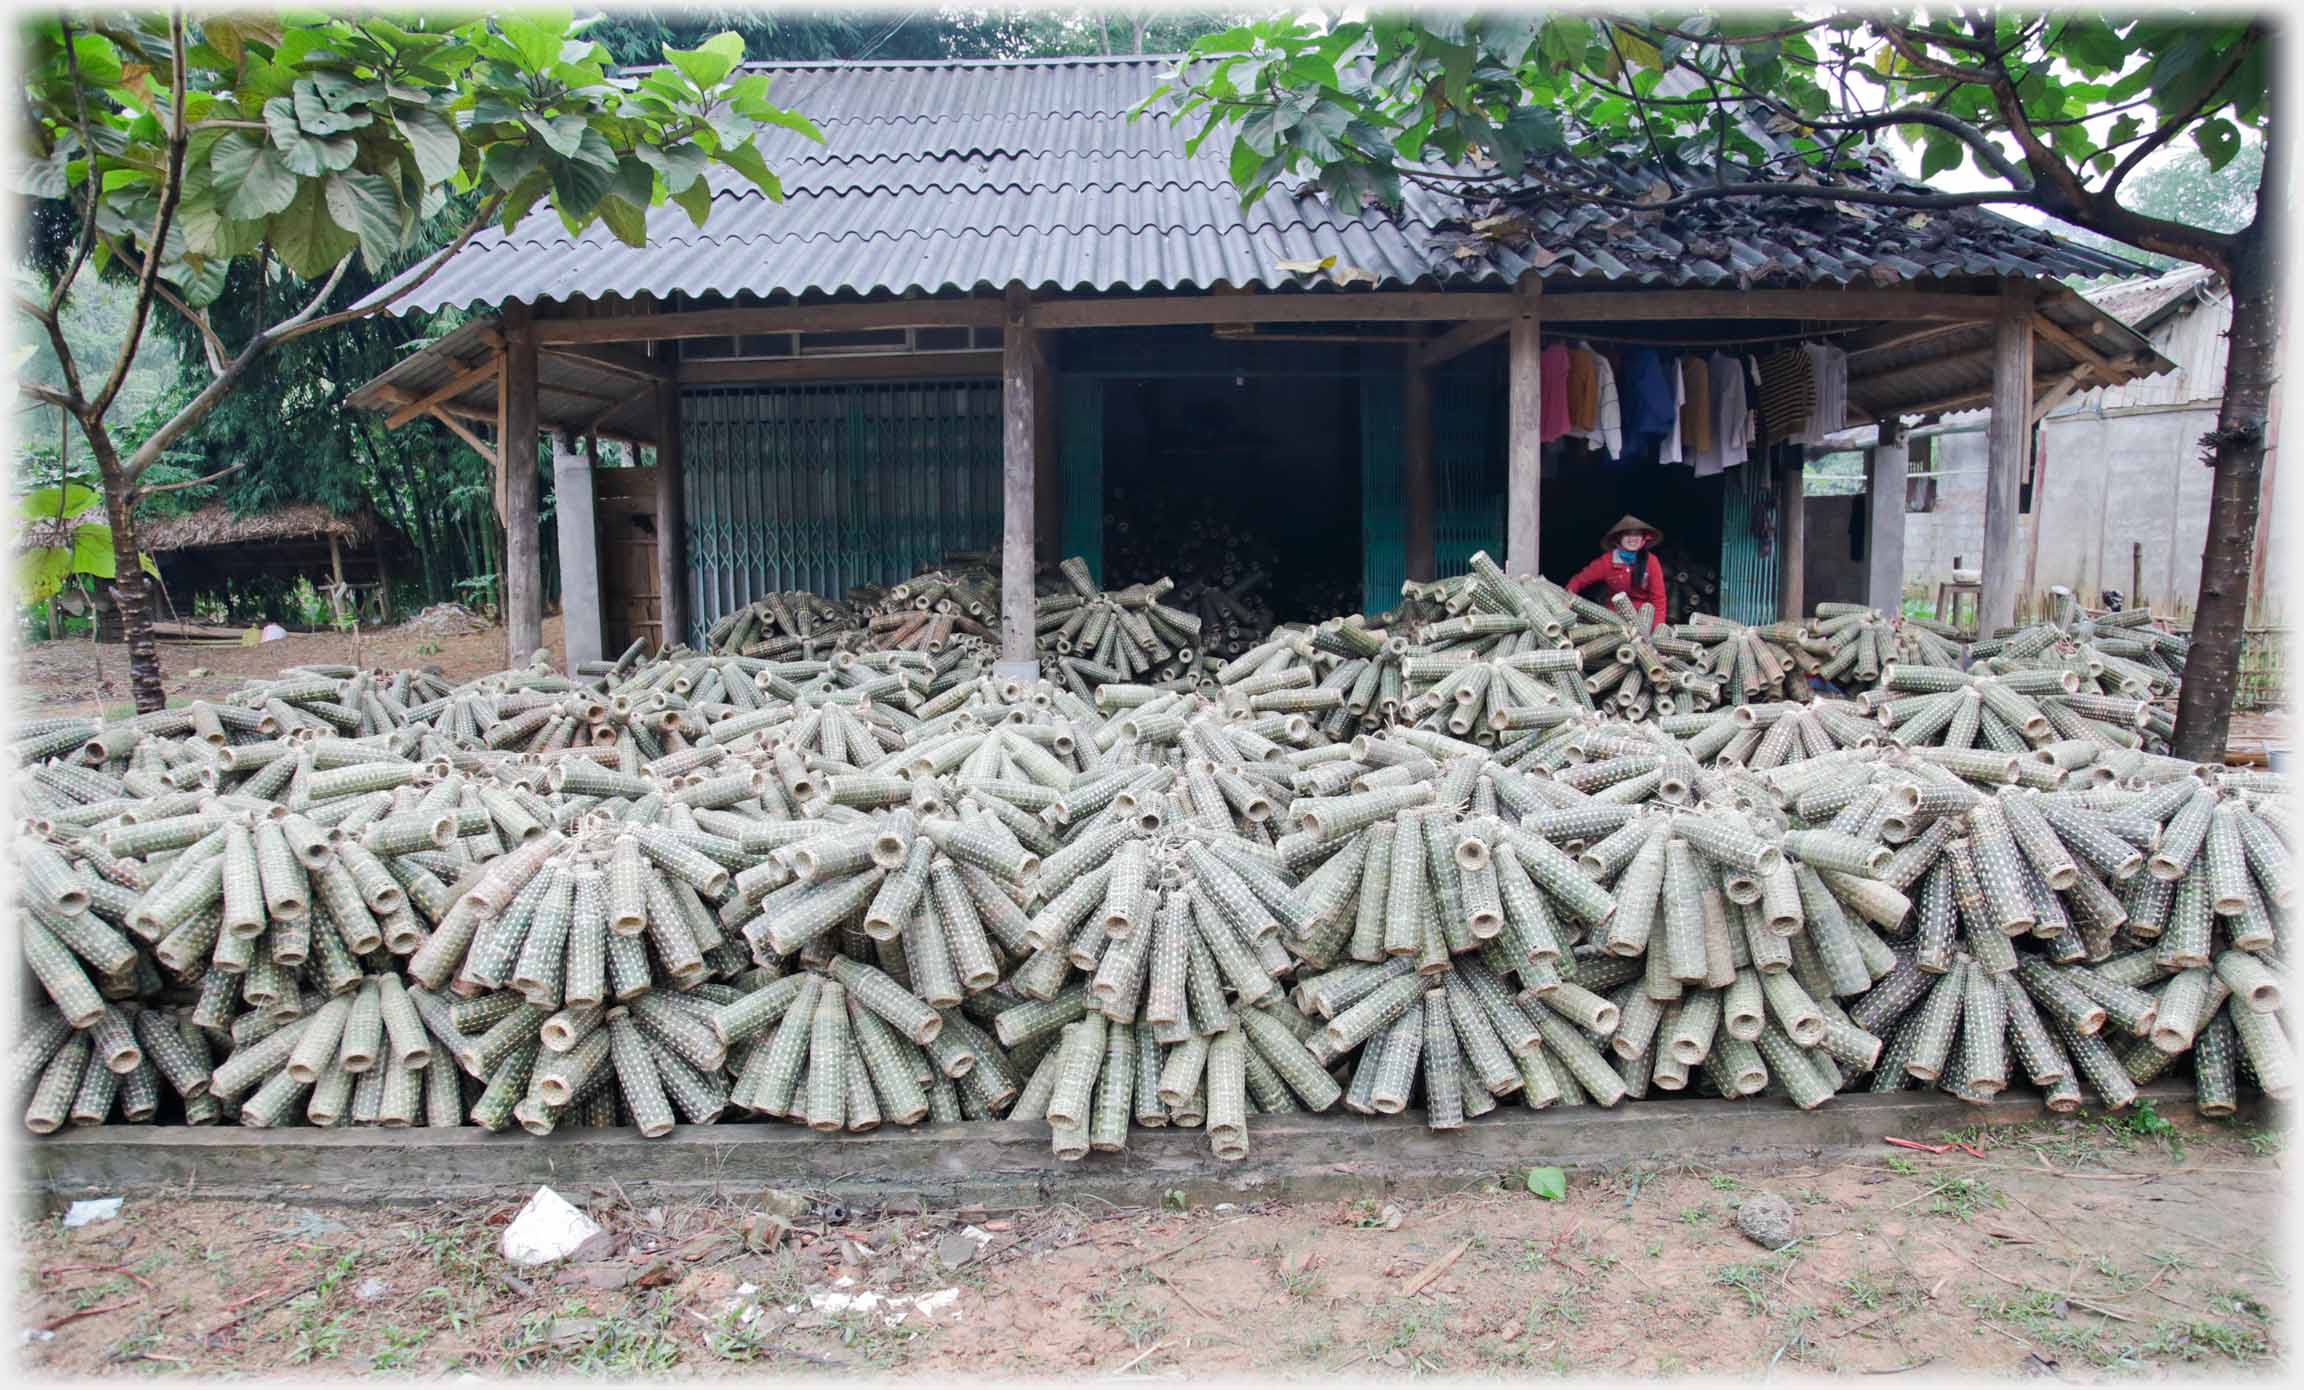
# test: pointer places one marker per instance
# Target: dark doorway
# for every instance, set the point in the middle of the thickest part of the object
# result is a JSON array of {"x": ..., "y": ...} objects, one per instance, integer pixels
[{"x": 1249, "y": 483}]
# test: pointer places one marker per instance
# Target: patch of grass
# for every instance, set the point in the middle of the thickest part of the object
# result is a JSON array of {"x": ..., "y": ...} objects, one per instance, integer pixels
[
  {"x": 1697, "y": 1215},
  {"x": 1861, "y": 1292},
  {"x": 1125, "y": 1312},
  {"x": 2141, "y": 1121},
  {"x": 2263, "y": 1142},
  {"x": 1902, "y": 1166},
  {"x": 396, "y": 1350},
  {"x": 1722, "y": 1182},
  {"x": 1749, "y": 1278},
  {"x": 319, "y": 1339},
  {"x": 2200, "y": 1338},
  {"x": 1961, "y": 1197}
]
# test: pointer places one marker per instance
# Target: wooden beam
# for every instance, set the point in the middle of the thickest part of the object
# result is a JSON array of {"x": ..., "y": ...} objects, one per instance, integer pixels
[
  {"x": 523, "y": 533},
  {"x": 795, "y": 318},
  {"x": 1911, "y": 336},
  {"x": 2059, "y": 391},
  {"x": 1376, "y": 306},
  {"x": 1019, "y": 375},
  {"x": 2009, "y": 442},
  {"x": 456, "y": 385},
  {"x": 1416, "y": 488},
  {"x": 904, "y": 366},
  {"x": 671, "y": 518},
  {"x": 622, "y": 361},
  {"x": 1457, "y": 341},
  {"x": 2072, "y": 343},
  {"x": 479, "y": 445},
  {"x": 1048, "y": 468},
  {"x": 592, "y": 425},
  {"x": 1523, "y": 425}
]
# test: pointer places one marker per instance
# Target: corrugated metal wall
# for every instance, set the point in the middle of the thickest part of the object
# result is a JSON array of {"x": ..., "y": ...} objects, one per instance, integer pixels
[
  {"x": 824, "y": 487},
  {"x": 1080, "y": 427},
  {"x": 1383, "y": 562},
  {"x": 1467, "y": 480},
  {"x": 1467, "y": 469},
  {"x": 1749, "y": 546}
]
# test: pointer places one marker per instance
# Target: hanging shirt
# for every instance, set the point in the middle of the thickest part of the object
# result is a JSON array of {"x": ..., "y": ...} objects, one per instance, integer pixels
[
  {"x": 1696, "y": 405},
  {"x": 1583, "y": 392},
  {"x": 1648, "y": 389},
  {"x": 1669, "y": 451},
  {"x": 1830, "y": 365},
  {"x": 1552, "y": 383},
  {"x": 1731, "y": 418},
  {"x": 1606, "y": 432},
  {"x": 1788, "y": 404}
]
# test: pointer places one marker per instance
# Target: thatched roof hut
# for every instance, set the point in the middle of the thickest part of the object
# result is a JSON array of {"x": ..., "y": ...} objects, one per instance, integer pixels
[{"x": 215, "y": 525}]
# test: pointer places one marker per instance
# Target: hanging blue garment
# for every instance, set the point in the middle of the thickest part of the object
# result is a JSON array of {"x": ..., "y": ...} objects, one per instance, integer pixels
[{"x": 1648, "y": 400}]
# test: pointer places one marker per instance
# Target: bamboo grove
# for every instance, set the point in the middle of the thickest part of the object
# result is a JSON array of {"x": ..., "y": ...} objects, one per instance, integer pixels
[{"x": 1502, "y": 846}]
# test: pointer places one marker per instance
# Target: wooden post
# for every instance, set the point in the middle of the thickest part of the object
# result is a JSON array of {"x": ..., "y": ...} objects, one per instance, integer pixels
[
  {"x": 1048, "y": 492},
  {"x": 1523, "y": 451},
  {"x": 1791, "y": 540},
  {"x": 383, "y": 580},
  {"x": 2011, "y": 441},
  {"x": 1416, "y": 489},
  {"x": 336, "y": 573},
  {"x": 516, "y": 453},
  {"x": 671, "y": 519},
  {"x": 1019, "y": 374}
]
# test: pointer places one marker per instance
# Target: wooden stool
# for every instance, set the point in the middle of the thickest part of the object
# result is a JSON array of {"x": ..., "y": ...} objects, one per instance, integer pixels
[{"x": 1964, "y": 584}]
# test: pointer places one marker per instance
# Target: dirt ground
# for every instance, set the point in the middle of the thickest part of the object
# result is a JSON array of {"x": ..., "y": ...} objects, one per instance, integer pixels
[
  {"x": 2081, "y": 1248},
  {"x": 79, "y": 675}
]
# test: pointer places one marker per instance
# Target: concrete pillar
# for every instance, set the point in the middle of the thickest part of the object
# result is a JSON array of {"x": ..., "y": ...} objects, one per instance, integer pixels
[
  {"x": 1019, "y": 376},
  {"x": 671, "y": 518},
  {"x": 1884, "y": 470},
  {"x": 1523, "y": 424},
  {"x": 580, "y": 634},
  {"x": 2011, "y": 446}
]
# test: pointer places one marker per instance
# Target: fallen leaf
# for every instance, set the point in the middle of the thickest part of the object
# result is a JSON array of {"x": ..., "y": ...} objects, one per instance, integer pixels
[
  {"x": 1304, "y": 267},
  {"x": 1551, "y": 1184},
  {"x": 1352, "y": 275}
]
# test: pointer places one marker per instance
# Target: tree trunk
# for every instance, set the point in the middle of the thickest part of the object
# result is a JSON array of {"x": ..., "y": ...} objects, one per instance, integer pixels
[
  {"x": 2236, "y": 449},
  {"x": 131, "y": 586}
]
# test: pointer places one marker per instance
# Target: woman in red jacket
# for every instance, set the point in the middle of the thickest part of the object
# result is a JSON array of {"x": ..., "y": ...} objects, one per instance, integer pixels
[{"x": 1628, "y": 566}]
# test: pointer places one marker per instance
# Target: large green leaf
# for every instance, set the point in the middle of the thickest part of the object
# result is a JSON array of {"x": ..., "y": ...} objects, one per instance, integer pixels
[
  {"x": 628, "y": 223},
  {"x": 679, "y": 164},
  {"x": 251, "y": 176},
  {"x": 710, "y": 62},
  {"x": 40, "y": 573},
  {"x": 92, "y": 551},
  {"x": 306, "y": 237},
  {"x": 368, "y": 206},
  {"x": 432, "y": 140},
  {"x": 69, "y": 499},
  {"x": 534, "y": 37},
  {"x": 98, "y": 61}
]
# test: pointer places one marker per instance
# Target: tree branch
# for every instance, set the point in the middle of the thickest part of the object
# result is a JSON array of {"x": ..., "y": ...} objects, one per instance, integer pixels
[
  {"x": 48, "y": 395},
  {"x": 294, "y": 328},
  {"x": 90, "y": 183},
  {"x": 211, "y": 346},
  {"x": 156, "y": 489},
  {"x": 2171, "y": 128},
  {"x": 171, "y": 192}
]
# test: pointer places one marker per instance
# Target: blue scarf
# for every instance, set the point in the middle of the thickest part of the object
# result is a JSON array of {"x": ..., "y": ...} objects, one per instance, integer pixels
[{"x": 1630, "y": 559}]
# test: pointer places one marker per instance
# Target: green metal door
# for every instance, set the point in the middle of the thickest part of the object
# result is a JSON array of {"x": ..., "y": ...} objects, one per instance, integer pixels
[
  {"x": 1080, "y": 427},
  {"x": 826, "y": 487},
  {"x": 1749, "y": 544},
  {"x": 1467, "y": 479}
]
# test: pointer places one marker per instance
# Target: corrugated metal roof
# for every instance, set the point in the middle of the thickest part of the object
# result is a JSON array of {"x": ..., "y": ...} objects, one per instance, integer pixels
[{"x": 955, "y": 177}]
